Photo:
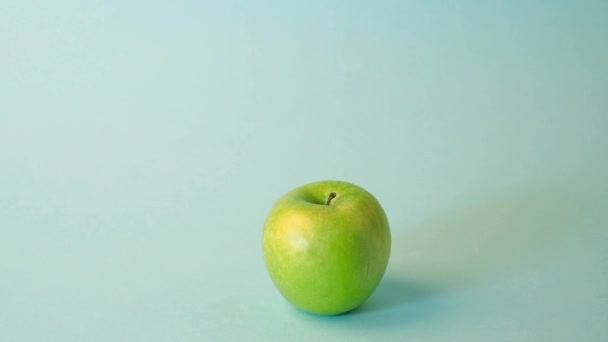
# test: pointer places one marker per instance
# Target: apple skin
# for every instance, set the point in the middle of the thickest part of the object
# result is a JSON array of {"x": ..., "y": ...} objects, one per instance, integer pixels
[{"x": 323, "y": 258}]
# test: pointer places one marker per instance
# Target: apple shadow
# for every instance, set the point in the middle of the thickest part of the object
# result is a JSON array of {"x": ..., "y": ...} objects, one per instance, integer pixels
[
  {"x": 466, "y": 246},
  {"x": 391, "y": 293},
  {"x": 393, "y": 302}
]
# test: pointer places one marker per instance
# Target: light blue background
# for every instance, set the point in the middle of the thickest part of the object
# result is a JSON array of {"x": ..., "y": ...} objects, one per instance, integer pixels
[{"x": 143, "y": 143}]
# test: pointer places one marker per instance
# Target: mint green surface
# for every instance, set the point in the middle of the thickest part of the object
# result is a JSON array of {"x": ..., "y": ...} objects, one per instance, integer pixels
[
  {"x": 142, "y": 145},
  {"x": 326, "y": 246}
]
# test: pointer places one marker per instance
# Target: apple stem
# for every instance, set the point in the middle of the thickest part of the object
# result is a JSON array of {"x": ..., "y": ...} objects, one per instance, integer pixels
[{"x": 330, "y": 197}]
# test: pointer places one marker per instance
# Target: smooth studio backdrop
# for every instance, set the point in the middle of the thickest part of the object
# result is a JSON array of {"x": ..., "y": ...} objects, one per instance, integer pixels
[{"x": 142, "y": 144}]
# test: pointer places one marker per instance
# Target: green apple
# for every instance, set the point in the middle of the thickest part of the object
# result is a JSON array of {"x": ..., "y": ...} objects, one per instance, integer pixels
[{"x": 326, "y": 246}]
